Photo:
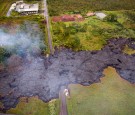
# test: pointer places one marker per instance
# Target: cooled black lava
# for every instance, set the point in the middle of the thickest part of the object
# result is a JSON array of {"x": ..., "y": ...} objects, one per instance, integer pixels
[{"x": 44, "y": 76}]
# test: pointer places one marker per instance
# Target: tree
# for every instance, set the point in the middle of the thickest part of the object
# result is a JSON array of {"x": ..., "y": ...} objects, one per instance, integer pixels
[
  {"x": 2, "y": 54},
  {"x": 111, "y": 18}
]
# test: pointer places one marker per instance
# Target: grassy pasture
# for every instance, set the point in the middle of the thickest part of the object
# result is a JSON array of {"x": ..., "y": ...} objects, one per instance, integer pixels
[{"x": 112, "y": 96}]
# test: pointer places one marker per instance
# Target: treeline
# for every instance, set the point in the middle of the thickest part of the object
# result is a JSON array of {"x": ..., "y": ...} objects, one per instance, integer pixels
[{"x": 57, "y": 7}]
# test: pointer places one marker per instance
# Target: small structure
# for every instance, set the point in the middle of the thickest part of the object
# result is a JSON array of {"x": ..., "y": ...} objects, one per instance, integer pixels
[
  {"x": 27, "y": 8},
  {"x": 100, "y": 15},
  {"x": 67, "y": 18},
  {"x": 66, "y": 92},
  {"x": 78, "y": 17},
  {"x": 90, "y": 14},
  {"x": 24, "y": 8},
  {"x": 56, "y": 18}
]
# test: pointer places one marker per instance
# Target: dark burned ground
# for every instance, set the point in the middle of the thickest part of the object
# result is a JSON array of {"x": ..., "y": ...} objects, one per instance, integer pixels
[{"x": 44, "y": 76}]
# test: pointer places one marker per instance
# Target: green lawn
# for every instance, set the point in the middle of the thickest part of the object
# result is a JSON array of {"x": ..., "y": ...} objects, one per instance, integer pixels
[
  {"x": 112, "y": 96},
  {"x": 92, "y": 33}
]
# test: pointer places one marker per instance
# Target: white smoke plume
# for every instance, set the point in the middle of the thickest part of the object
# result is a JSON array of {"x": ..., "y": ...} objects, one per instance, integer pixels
[{"x": 26, "y": 40}]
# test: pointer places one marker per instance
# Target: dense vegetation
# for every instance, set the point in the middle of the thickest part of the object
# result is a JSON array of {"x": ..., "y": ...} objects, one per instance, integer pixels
[
  {"x": 112, "y": 96},
  {"x": 92, "y": 33},
  {"x": 4, "y": 6},
  {"x": 57, "y": 7}
]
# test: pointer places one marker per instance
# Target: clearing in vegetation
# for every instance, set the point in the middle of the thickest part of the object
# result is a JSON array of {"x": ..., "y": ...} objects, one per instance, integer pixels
[{"x": 112, "y": 96}]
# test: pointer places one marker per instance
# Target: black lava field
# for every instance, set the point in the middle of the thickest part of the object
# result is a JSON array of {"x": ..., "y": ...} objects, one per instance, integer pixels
[{"x": 42, "y": 76}]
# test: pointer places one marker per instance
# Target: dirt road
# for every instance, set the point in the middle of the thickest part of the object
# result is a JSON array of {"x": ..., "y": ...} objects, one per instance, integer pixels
[
  {"x": 63, "y": 104},
  {"x": 46, "y": 15}
]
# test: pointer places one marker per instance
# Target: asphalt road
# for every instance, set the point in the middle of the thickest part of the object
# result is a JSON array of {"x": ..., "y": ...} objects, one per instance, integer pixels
[{"x": 48, "y": 27}]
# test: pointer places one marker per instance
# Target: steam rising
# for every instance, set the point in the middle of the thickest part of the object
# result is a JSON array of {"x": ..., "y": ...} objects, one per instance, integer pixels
[{"x": 28, "y": 39}]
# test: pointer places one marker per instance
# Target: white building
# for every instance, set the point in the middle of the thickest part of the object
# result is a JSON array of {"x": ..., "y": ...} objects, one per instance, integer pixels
[
  {"x": 24, "y": 8},
  {"x": 100, "y": 15},
  {"x": 27, "y": 8}
]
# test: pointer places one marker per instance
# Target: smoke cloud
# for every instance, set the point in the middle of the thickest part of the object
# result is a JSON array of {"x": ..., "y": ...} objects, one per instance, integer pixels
[{"x": 27, "y": 40}]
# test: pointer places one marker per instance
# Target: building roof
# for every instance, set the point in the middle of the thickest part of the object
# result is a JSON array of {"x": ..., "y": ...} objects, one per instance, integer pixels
[
  {"x": 90, "y": 14},
  {"x": 79, "y": 16},
  {"x": 67, "y": 18},
  {"x": 27, "y": 7},
  {"x": 100, "y": 15},
  {"x": 56, "y": 19}
]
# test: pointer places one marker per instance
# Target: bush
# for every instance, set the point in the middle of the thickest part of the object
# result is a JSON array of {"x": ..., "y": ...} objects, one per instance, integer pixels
[
  {"x": 73, "y": 42},
  {"x": 111, "y": 18}
]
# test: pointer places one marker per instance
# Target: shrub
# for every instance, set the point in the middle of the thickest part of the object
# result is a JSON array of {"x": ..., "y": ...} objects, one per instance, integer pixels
[
  {"x": 111, "y": 18},
  {"x": 73, "y": 42}
]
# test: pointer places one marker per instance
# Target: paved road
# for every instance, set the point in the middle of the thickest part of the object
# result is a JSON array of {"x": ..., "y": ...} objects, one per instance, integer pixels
[
  {"x": 63, "y": 104},
  {"x": 48, "y": 27}
]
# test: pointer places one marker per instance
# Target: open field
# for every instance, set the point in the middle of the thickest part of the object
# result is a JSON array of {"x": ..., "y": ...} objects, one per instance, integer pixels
[
  {"x": 112, "y": 96},
  {"x": 92, "y": 33},
  {"x": 58, "y": 7}
]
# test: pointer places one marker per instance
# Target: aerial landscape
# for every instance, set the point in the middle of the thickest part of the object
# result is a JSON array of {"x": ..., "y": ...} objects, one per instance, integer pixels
[{"x": 73, "y": 57}]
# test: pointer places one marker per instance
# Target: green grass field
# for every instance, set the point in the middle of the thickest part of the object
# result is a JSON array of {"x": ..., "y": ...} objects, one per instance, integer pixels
[
  {"x": 112, "y": 96},
  {"x": 35, "y": 106},
  {"x": 92, "y": 33}
]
